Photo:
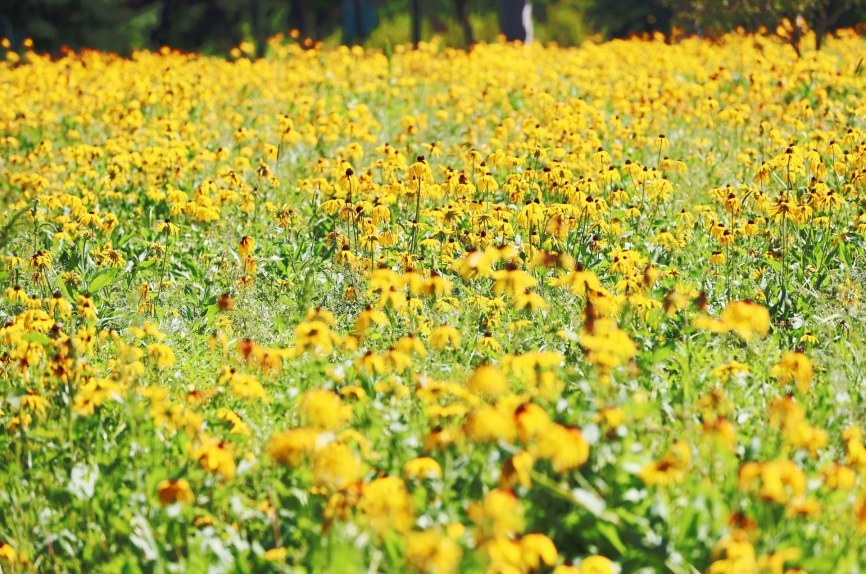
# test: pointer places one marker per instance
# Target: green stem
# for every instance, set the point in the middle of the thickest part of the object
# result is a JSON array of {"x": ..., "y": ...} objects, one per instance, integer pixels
[
  {"x": 416, "y": 222},
  {"x": 162, "y": 271}
]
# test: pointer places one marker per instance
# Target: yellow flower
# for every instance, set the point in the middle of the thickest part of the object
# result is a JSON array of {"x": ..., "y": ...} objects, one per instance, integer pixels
[
  {"x": 171, "y": 491},
  {"x": 444, "y": 336},
  {"x": 86, "y": 308},
  {"x": 670, "y": 468},
  {"x": 167, "y": 227},
  {"x": 744, "y": 318},
  {"x": 531, "y": 420},
  {"x": 512, "y": 281},
  {"x": 537, "y": 549},
  {"x": 488, "y": 381},
  {"x": 314, "y": 336},
  {"x": 431, "y": 552},
  {"x": 504, "y": 553},
  {"x": 774, "y": 563},
  {"x": 475, "y": 264},
  {"x": 565, "y": 447},
  {"x": 780, "y": 481},
  {"x": 215, "y": 456},
  {"x": 529, "y": 300},
  {"x": 33, "y": 402},
  {"x": 161, "y": 354},
  {"x": 353, "y": 392},
  {"x": 368, "y": 317},
  {"x": 291, "y": 446},
  {"x": 320, "y": 314},
  {"x": 518, "y": 470},
  {"x": 349, "y": 182},
  {"x": 735, "y": 554},
  {"x": 794, "y": 367},
  {"x": 7, "y": 553},
  {"x": 41, "y": 260},
  {"x": 860, "y": 509},
  {"x": 717, "y": 258},
  {"x": 420, "y": 170},
  {"x": 606, "y": 345},
  {"x": 324, "y": 410},
  {"x": 276, "y": 554},
  {"x": 387, "y": 506},
  {"x": 610, "y": 417},
  {"x": 838, "y": 476},
  {"x": 422, "y": 468},
  {"x": 499, "y": 515},
  {"x": 596, "y": 565},
  {"x": 239, "y": 427},
  {"x": 809, "y": 338},
  {"x": 246, "y": 246},
  {"x": 720, "y": 430},
  {"x": 489, "y": 424},
  {"x": 335, "y": 465},
  {"x": 93, "y": 394},
  {"x": 729, "y": 370},
  {"x": 243, "y": 386}
]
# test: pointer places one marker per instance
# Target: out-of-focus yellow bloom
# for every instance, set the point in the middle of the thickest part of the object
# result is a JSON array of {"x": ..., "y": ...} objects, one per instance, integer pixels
[
  {"x": 290, "y": 447},
  {"x": 422, "y": 468},
  {"x": 215, "y": 456},
  {"x": 670, "y": 468},
  {"x": 744, "y": 318},
  {"x": 335, "y": 465},
  {"x": 488, "y": 381},
  {"x": 324, "y": 410},
  {"x": 387, "y": 506},
  {"x": 432, "y": 552},
  {"x": 564, "y": 447},
  {"x": 795, "y": 367},
  {"x": 499, "y": 515},
  {"x": 171, "y": 491}
]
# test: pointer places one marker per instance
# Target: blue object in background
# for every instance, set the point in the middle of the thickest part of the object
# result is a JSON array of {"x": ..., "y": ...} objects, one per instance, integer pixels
[{"x": 359, "y": 19}]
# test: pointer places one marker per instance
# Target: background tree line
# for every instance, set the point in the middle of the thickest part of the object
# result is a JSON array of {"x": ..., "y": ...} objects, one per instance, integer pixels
[{"x": 215, "y": 26}]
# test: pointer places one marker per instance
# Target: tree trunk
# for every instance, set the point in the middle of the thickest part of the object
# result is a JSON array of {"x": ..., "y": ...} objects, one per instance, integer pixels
[
  {"x": 302, "y": 18},
  {"x": 260, "y": 31},
  {"x": 828, "y": 15},
  {"x": 359, "y": 24},
  {"x": 462, "y": 9},
  {"x": 796, "y": 37},
  {"x": 416, "y": 22},
  {"x": 517, "y": 20},
  {"x": 161, "y": 35}
]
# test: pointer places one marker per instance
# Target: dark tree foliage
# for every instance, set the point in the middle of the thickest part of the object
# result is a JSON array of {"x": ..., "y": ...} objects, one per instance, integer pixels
[
  {"x": 623, "y": 18},
  {"x": 218, "y": 25},
  {"x": 106, "y": 24},
  {"x": 717, "y": 17},
  {"x": 195, "y": 25}
]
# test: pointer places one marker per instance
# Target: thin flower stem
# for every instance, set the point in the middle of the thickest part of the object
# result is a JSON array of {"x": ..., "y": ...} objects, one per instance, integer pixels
[
  {"x": 162, "y": 270},
  {"x": 415, "y": 222}
]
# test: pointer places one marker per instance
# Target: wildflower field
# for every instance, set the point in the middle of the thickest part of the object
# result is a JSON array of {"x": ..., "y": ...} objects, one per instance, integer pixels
[{"x": 520, "y": 309}]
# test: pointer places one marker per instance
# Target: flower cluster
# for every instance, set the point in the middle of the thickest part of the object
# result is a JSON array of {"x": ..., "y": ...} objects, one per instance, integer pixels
[{"x": 591, "y": 310}]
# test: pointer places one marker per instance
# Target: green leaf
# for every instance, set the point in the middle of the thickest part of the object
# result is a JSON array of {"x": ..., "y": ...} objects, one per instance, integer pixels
[
  {"x": 45, "y": 433},
  {"x": 66, "y": 290},
  {"x": 843, "y": 252},
  {"x": 611, "y": 535},
  {"x": 211, "y": 312},
  {"x": 102, "y": 280},
  {"x": 37, "y": 338},
  {"x": 660, "y": 354}
]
